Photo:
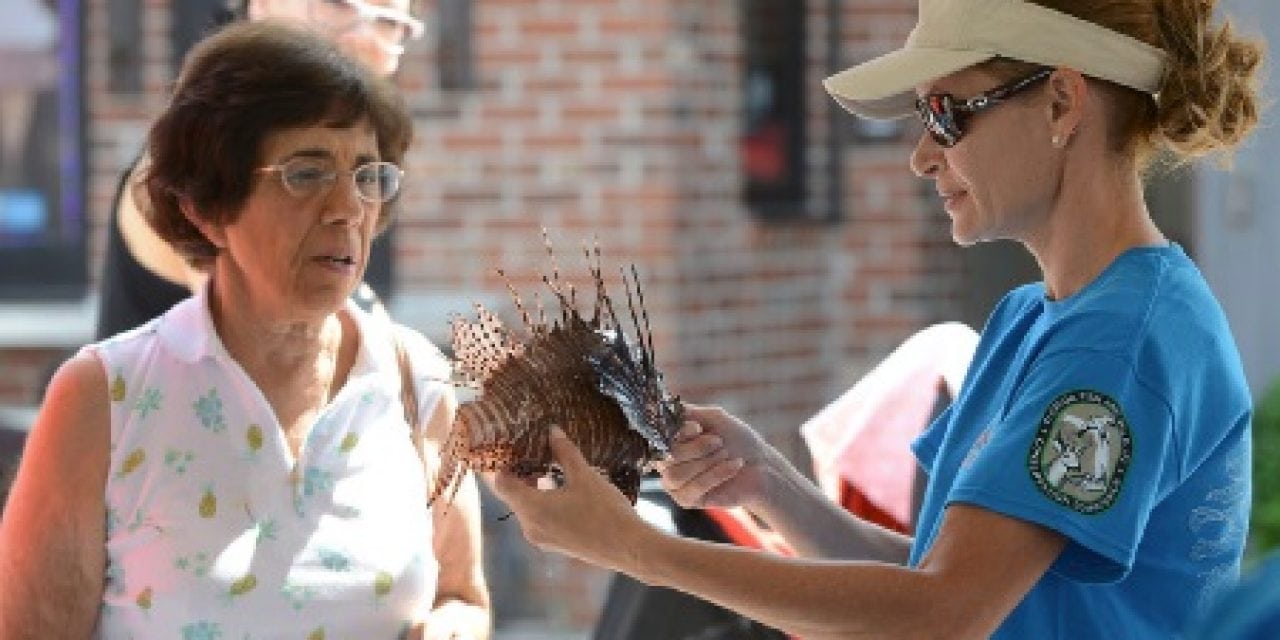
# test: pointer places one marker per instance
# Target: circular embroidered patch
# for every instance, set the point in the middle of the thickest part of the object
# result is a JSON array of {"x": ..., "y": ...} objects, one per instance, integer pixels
[{"x": 1081, "y": 451}]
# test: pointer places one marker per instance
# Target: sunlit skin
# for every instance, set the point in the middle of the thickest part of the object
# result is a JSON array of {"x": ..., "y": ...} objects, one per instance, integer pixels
[
  {"x": 358, "y": 42},
  {"x": 275, "y": 296},
  {"x": 280, "y": 313},
  {"x": 1038, "y": 169},
  {"x": 1005, "y": 179},
  {"x": 271, "y": 256},
  {"x": 997, "y": 186}
]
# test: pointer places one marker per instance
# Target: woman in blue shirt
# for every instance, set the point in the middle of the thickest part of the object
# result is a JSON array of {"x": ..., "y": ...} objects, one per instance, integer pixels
[{"x": 1092, "y": 477}]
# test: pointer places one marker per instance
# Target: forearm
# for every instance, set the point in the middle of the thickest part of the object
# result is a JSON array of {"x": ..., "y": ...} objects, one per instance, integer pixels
[
  {"x": 816, "y": 527},
  {"x": 812, "y": 599},
  {"x": 462, "y": 599}
]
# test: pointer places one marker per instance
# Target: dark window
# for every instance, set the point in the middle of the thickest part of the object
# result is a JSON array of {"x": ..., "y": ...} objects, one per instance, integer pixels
[
  {"x": 124, "y": 46},
  {"x": 42, "y": 210},
  {"x": 773, "y": 138},
  {"x": 454, "y": 55},
  {"x": 191, "y": 21}
]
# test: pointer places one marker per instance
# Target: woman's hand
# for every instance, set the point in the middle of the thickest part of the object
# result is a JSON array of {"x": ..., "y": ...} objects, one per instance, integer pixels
[
  {"x": 461, "y": 610},
  {"x": 717, "y": 461},
  {"x": 455, "y": 620},
  {"x": 573, "y": 518}
]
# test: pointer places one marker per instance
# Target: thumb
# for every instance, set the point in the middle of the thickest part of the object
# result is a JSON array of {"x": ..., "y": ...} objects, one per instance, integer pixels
[
  {"x": 510, "y": 487},
  {"x": 566, "y": 453}
]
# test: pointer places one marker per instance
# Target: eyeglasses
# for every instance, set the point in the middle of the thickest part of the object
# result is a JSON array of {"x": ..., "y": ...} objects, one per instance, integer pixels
[
  {"x": 944, "y": 117},
  {"x": 376, "y": 182},
  {"x": 391, "y": 27}
]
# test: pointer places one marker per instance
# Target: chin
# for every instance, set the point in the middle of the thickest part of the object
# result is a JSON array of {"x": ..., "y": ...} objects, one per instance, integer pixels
[
  {"x": 326, "y": 301},
  {"x": 963, "y": 237}
]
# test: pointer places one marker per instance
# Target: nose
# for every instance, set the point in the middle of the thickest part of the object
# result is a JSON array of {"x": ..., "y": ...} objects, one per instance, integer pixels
[
  {"x": 926, "y": 157},
  {"x": 344, "y": 206}
]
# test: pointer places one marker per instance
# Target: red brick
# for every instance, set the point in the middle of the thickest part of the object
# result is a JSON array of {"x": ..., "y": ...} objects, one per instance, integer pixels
[{"x": 722, "y": 286}]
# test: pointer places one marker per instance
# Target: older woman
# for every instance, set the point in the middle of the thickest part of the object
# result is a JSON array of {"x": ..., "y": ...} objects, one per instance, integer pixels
[
  {"x": 1091, "y": 480},
  {"x": 142, "y": 276},
  {"x": 242, "y": 466}
]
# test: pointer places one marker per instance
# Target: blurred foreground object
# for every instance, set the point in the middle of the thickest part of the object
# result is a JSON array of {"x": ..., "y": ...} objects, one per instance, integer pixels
[{"x": 861, "y": 442}]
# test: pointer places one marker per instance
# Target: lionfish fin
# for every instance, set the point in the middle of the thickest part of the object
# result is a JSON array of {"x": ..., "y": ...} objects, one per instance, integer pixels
[
  {"x": 585, "y": 374},
  {"x": 519, "y": 303},
  {"x": 644, "y": 334},
  {"x": 482, "y": 346}
]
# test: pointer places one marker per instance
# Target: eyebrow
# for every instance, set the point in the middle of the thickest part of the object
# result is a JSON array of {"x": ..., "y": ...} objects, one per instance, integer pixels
[{"x": 325, "y": 154}]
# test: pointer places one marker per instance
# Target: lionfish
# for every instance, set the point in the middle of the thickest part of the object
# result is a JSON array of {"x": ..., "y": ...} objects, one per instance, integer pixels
[{"x": 585, "y": 375}]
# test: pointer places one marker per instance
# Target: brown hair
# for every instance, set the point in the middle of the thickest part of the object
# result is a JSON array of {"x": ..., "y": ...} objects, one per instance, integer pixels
[
  {"x": 1208, "y": 100},
  {"x": 237, "y": 87}
]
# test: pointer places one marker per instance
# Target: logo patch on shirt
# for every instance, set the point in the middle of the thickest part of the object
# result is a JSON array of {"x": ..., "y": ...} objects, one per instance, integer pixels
[{"x": 1081, "y": 451}]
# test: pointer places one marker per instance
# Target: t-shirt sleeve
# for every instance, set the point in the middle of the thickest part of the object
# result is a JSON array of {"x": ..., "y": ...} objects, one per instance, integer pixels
[
  {"x": 926, "y": 446},
  {"x": 1083, "y": 448}
]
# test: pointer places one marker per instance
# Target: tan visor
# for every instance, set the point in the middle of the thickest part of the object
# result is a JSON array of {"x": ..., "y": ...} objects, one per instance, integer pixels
[{"x": 951, "y": 35}]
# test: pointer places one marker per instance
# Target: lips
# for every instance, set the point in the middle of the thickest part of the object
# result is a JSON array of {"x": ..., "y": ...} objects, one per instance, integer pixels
[
  {"x": 951, "y": 197},
  {"x": 336, "y": 258},
  {"x": 347, "y": 260}
]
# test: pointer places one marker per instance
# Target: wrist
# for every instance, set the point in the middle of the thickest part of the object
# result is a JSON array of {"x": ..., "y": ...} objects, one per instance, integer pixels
[
  {"x": 778, "y": 485},
  {"x": 632, "y": 551}
]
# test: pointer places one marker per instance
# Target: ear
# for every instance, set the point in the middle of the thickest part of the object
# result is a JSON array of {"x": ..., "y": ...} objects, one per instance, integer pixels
[
  {"x": 1068, "y": 95},
  {"x": 212, "y": 231}
]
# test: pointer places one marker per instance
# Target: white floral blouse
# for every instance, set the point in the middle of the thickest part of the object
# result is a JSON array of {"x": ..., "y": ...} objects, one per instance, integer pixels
[{"x": 215, "y": 531}]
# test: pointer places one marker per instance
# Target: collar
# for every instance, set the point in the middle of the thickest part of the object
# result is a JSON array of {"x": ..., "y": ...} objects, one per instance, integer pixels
[{"x": 187, "y": 331}]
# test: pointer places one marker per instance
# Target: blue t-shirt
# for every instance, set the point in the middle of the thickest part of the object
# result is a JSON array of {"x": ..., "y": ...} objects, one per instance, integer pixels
[
  {"x": 1120, "y": 418},
  {"x": 1248, "y": 611}
]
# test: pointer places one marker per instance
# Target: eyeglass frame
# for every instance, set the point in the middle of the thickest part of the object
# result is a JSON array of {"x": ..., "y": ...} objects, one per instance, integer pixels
[
  {"x": 331, "y": 178},
  {"x": 949, "y": 131},
  {"x": 367, "y": 12}
]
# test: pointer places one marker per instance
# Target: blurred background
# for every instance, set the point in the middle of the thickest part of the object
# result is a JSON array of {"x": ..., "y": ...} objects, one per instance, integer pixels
[{"x": 784, "y": 247}]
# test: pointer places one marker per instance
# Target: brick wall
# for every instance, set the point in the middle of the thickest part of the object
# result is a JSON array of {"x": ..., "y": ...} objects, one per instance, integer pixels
[{"x": 619, "y": 119}]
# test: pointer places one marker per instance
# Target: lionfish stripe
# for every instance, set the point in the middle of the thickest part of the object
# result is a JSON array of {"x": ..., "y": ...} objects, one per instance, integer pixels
[{"x": 583, "y": 375}]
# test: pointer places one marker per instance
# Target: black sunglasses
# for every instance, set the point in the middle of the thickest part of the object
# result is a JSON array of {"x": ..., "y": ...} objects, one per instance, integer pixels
[{"x": 944, "y": 117}]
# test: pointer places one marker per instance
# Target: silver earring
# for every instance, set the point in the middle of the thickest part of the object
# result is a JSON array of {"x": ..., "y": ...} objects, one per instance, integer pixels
[{"x": 1057, "y": 142}]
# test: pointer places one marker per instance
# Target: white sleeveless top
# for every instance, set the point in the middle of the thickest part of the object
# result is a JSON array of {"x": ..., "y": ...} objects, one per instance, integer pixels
[{"x": 213, "y": 530}]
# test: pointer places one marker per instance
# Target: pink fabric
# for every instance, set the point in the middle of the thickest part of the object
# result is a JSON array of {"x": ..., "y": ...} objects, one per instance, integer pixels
[{"x": 864, "y": 436}]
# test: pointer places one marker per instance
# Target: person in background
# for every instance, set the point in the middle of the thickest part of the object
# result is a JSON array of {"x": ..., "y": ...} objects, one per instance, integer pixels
[
  {"x": 1091, "y": 479},
  {"x": 142, "y": 275},
  {"x": 246, "y": 465}
]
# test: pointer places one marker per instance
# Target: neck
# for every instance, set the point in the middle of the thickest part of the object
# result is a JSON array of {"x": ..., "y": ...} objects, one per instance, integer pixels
[
  {"x": 1089, "y": 227},
  {"x": 276, "y": 348}
]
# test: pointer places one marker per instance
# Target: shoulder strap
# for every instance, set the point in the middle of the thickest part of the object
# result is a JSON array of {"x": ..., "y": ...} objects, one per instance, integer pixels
[{"x": 409, "y": 394}]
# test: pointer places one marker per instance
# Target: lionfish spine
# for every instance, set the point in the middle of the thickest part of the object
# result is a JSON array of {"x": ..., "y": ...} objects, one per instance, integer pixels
[
  {"x": 635, "y": 322},
  {"x": 542, "y": 313},
  {"x": 596, "y": 275},
  {"x": 585, "y": 375},
  {"x": 519, "y": 303},
  {"x": 646, "y": 333}
]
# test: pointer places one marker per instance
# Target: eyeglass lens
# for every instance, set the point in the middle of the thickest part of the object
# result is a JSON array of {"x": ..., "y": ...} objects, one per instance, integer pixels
[
  {"x": 306, "y": 177},
  {"x": 944, "y": 118},
  {"x": 940, "y": 120}
]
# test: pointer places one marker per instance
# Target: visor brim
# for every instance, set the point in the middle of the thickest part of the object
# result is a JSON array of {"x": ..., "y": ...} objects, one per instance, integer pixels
[{"x": 884, "y": 88}]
